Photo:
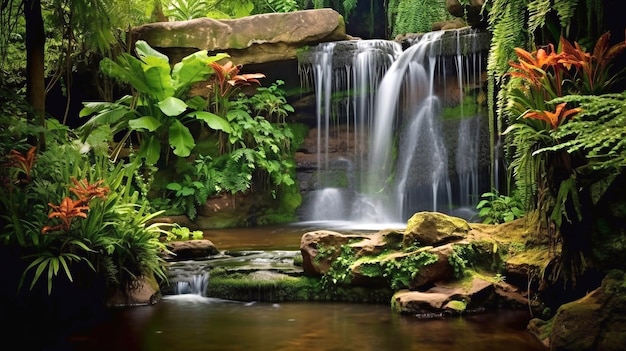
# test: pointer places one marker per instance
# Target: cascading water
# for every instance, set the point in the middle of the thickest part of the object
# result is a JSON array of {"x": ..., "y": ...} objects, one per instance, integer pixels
[{"x": 390, "y": 110}]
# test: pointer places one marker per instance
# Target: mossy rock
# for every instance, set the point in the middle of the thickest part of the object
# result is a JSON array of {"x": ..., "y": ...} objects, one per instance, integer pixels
[
  {"x": 265, "y": 286},
  {"x": 434, "y": 228}
]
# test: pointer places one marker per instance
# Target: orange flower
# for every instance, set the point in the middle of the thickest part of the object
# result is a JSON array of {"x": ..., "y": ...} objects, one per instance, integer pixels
[
  {"x": 66, "y": 211},
  {"x": 85, "y": 191},
  {"x": 553, "y": 118},
  {"x": 535, "y": 67}
]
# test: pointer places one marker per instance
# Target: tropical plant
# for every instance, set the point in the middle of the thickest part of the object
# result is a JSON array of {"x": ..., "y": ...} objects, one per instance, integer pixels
[
  {"x": 519, "y": 24},
  {"x": 159, "y": 109},
  {"x": 495, "y": 208},
  {"x": 180, "y": 233},
  {"x": 255, "y": 152},
  {"x": 57, "y": 207},
  {"x": 546, "y": 165}
]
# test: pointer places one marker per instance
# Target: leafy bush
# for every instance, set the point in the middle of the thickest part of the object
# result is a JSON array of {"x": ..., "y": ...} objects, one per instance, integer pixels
[
  {"x": 495, "y": 208},
  {"x": 159, "y": 109},
  {"x": 58, "y": 207}
]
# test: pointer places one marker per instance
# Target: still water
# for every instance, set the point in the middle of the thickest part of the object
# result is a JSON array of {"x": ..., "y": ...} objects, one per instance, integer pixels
[{"x": 191, "y": 322}]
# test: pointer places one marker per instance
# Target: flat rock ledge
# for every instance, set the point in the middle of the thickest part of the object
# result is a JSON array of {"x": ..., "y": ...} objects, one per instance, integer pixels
[
  {"x": 252, "y": 39},
  {"x": 191, "y": 249}
]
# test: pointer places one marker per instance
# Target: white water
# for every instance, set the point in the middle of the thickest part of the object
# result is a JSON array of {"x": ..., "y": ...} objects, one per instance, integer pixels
[{"x": 398, "y": 158}]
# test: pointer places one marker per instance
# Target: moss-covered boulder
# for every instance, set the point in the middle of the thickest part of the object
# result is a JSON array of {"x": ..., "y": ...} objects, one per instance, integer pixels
[
  {"x": 320, "y": 248},
  {"x": 594, "y": 322},
  {"x": 434, "y": 228}
]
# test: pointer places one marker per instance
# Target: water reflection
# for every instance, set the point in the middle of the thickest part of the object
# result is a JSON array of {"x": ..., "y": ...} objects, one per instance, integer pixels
[{"x": 191, "y": 322}]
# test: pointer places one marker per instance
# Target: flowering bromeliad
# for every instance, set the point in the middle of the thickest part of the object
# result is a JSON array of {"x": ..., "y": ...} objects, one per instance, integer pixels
[
  {"x": 70, "y": 209},
  {"x": 228, "y": 74},
  {"x": 553, "y": 118},
  {"x": 85, "y": 191},
  {"x": 23, "y": 163},
  {"x": 547, "y": 74}
]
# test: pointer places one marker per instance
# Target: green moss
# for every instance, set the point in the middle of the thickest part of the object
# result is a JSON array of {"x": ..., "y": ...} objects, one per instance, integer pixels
[
  {"x": 371, "y": 269},
  {"x": 457, "y": 305},
  {"x": 536, "y": 257},
  {"x": 298, "y": 260},
  {"x": 240, "y": 287}
]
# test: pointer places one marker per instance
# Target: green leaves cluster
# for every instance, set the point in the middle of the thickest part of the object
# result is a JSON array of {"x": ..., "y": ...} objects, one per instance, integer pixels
[
  {"x": 496, "y": 208},
  {"x": 113, "y": 238},
  {"x": 159, "y": 109},
  {"x": 415, "y": 16},
  {"x": 402, "y": 270}
]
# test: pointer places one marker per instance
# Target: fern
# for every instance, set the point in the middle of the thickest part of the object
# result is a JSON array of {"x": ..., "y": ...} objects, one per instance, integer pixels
[
  {"x": 348, "y": 6},
  {"x": 598, "y": 132},
  {"x": 565, "y": 11},
  {"x": 181, "y": 10},
  {"x": 283, "y": 5},
  {"x": 537, "y": 12}
]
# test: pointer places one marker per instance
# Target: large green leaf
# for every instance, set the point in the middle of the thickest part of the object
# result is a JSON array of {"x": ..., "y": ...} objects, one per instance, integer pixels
[
  {"x": 146, "y": 122},
  {"x": 150, "y": 149},
  {"x": 159, "y": 82},
  {"x": 180, "y": 139},
  {"x": 172, "y": 106},
  {"x": 127, "y": 69},
  {"x": 149, "y": 55},
  {"x": 193, "y": 68},
  {"x": 212, "y": 120}
]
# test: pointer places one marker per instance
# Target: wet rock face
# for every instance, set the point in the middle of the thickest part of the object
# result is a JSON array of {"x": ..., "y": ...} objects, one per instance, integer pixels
[{"x": 253, "y": 39}]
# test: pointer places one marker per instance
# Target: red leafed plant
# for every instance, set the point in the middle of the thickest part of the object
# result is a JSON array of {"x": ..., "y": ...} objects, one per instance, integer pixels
[
  {"x": 85, "y": 191},
  {"x": 70, "y": 209},
  {"x": 22, "y": 162},
  {"x": 66, "y": 211}
]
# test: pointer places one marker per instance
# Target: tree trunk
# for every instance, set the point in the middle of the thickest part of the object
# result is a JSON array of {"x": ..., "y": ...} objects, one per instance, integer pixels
[{"x": 35, "y": 50}]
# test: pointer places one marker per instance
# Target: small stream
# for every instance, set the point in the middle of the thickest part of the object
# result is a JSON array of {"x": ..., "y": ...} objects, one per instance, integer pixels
[{"x": 188, "y": 321}]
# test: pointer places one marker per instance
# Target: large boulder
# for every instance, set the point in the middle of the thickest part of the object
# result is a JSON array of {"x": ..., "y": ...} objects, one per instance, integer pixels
[
  {"x": 320, "y": 248},
  {"x": 192, "y": 249},
  {"x": 595, "y": 322},
  {"x": 442, "y": 299},
  {"x": 252, "y": 39},
  {"x": 434, "y": 228}
]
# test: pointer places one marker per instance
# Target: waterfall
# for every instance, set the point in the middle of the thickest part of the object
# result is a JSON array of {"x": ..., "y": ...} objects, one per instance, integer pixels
[
  {"x": 384, "y": 110},
  {"x": 193, "y": 284},
  {"x": 187, "y": 278}
]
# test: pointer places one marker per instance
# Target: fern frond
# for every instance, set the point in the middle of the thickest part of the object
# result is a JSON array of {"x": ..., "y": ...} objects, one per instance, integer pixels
[
  {"x": 565, "y": 10},
  {"x": 537, "y": 13}
]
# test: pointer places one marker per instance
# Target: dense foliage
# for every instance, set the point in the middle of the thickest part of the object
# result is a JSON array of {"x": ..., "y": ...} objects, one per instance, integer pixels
[{"x": 58, "y": 206}]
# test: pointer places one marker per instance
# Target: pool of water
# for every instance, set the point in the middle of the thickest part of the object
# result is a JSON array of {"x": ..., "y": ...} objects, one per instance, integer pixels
[
  {"x": 192, "y": 322},
  {"x": 285, "y": 237}
]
